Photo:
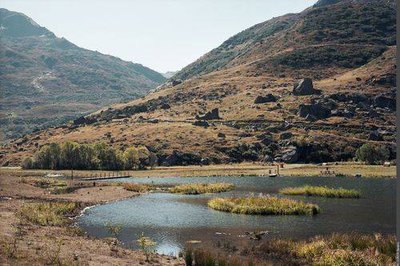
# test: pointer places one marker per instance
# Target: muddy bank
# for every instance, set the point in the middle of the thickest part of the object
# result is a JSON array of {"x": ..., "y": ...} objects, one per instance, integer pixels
[{"x": 26, "y": 243}]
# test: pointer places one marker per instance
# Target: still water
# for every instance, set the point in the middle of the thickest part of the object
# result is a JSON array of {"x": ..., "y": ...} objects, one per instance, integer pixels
[{"x": 171, "y": 220}]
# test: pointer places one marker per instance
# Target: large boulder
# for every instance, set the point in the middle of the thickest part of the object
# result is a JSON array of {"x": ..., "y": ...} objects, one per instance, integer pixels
[
  {"x": 181, "y": 158},
  {"x": 265, "y": 99},
  {"x": 211, "y": 115},
  {"x": 201, "y": 123},
  {"x": 290, "y": 155},
  {"x": 385, "y": 102},
  {"x": 375, "y": 136},
  {"x": 317, "y": 111},
  {"x": 305, "y": 87},
  {"x": 84, "y": 120}
]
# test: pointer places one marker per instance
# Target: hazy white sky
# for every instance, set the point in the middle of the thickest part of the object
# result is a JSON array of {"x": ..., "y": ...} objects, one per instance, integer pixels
[{"x": 161, "y": 34}]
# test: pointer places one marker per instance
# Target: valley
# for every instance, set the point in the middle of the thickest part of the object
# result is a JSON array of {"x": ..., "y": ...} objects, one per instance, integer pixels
[{"x": 277, "y": 147}]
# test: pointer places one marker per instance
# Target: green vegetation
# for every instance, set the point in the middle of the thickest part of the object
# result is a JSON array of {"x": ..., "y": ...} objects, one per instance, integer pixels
[
  {"x": 265, "y": 205},
  {"x": 146, "y": 245},
  {"x": 336, "y": 249},
  {"x": 49, "y": 183},
  {"x": 194, "y": 189},
  {"x": 372, "y": 154},
  {"x": 368, "y": 24},
  {"x": 114, "y": 230},
  {"x": 98, "y": 156},
  {"x": 94, "y": 80},
  {"x": 47, "y": 213},
  {"x": 204, "y": 257},
  {"x": 333, "y": 55},
  {"x": 321, "y": 192},
  {"x": 137, "y": 187}
]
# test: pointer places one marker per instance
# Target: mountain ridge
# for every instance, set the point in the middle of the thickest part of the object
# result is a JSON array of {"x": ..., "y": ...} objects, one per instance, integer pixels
[{"x": 48, "y": 80}]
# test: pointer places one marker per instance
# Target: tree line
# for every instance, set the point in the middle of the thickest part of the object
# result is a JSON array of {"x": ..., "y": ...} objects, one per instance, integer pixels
[{"x": 97, "y": 156}]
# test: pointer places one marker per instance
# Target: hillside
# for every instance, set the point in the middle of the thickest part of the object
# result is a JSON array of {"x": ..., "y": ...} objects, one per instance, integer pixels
[
  {"x": 243, "y": 102},
  {"x": 46, "y": 80}
]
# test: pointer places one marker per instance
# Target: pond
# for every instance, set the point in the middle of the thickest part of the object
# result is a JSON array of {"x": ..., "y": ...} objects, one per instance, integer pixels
[{"x": 171, "y": 220}]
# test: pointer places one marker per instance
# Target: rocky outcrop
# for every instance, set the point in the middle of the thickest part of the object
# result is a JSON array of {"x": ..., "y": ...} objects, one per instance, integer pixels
[
  {"x": 265, "y": 99},
  {"x": 375, "y": 136},
  {"x": 285, "y": 135},
  {"x": 290, "y": 154},
  {"x": 201, "y": 123},
  {"x": 314, "y": 111},
  {"x": 387, "y": 80},
  {"x": 385, "y": 102},
  {"x": 181, "y": 158},
  {"x": 84, "y": 120},
  {"x": 211, "y": 115},
  {"x": 305, "y": 87}
]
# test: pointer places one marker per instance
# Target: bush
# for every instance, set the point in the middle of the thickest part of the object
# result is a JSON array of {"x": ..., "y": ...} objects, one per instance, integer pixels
[
  {"x": 372, "y": 154},
  {"x": 27, "y": 163}
]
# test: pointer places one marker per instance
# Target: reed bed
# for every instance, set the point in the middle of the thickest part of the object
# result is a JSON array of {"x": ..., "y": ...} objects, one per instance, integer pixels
[
  {"x": 335, "y": 249},
  {"x": 48, "y": 213},
  {"x": 194, "y": 189},
  {"x": 321, "y": 191},
  {"x": 264, "y": 205},
  {"x": 137, "y": 187}
]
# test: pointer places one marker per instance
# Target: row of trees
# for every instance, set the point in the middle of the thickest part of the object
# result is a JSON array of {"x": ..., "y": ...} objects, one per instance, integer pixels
[{"x": 98, "y": 156}]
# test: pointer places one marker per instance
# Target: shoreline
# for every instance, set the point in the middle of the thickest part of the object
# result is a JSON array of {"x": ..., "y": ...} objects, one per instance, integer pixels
[
  {"x": 243, "y": 169},
  {"x": 19, "y": 185},
  {"x": 37, "y": 244}
]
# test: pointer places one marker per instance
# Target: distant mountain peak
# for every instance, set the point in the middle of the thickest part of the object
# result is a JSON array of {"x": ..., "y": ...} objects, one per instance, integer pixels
[
  {"x": 15, "y": 24},
  {"x": 326, "y": 2}
]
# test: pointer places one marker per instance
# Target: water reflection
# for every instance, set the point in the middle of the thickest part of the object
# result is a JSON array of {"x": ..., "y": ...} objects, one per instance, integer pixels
[{"x": 172, "y": 220}]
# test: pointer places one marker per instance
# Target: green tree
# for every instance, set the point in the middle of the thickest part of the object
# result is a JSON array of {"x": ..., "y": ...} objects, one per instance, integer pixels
[
  {"x": 108, "y": 158},
  {"x": 55, "y": 150},
  {"x": 43, "y": 157},
  {"x": 69, "y": 157},
  {"x": 131, "y": 158},
  {"x": 372, "y": 154},
  {"x": 88, "y": 158},
  {"x": 27, "y": 163},
  {"x": 153, "y": 160}
]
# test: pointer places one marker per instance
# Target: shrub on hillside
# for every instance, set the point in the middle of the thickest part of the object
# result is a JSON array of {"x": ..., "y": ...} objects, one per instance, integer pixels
[{"x": 372, "y": 154}]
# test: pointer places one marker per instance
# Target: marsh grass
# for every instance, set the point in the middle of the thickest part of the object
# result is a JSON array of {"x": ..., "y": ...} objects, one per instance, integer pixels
[
  {"x": 47, "y": 213},
  {"x": 265, "y": 205},
  {"x": 48, "y": 183},
  {"x": 137, "y": 187},
  {"x": 321, "y": 191},
  {"x": 336, "y": 249},
  {"x": 194, "y": 189}
]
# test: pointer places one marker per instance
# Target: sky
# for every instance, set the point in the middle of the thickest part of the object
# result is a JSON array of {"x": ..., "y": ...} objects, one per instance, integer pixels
[{"x": 165, "y": 35}]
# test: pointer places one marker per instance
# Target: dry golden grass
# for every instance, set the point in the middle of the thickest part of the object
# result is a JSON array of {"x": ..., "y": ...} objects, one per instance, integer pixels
[
  {"x": 194, "y": 189},
  {"x": 243, "y": 169},
  {"x": 321, "y": 192}
]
